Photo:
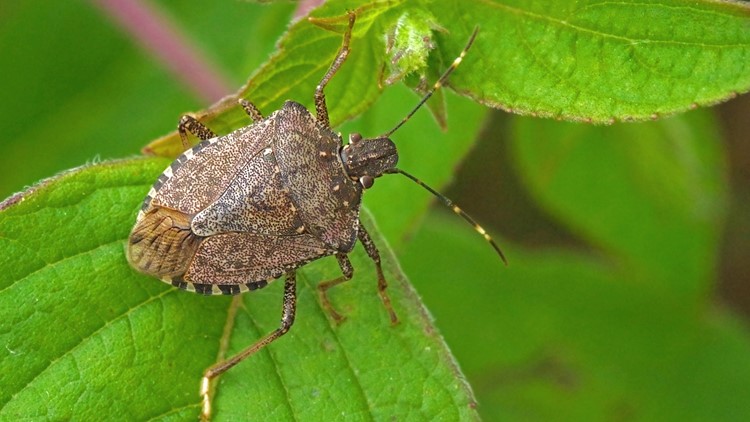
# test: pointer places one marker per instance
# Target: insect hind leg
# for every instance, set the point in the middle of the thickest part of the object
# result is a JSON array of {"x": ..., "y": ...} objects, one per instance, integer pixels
[{"x": 289, "y": 309}]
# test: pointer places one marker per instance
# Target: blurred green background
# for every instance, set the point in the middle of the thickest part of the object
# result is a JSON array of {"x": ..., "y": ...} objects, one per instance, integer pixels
[{"x": 627, "y": 292}]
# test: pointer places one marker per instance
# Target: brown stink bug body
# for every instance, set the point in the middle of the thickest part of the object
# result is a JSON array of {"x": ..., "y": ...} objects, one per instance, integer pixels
[{"x": 237, "y": 211}]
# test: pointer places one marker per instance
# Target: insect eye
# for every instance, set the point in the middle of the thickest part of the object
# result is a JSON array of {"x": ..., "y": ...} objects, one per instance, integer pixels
[
  {"x": 366, "y": 181},
  {"x": 354, "y": 138}
]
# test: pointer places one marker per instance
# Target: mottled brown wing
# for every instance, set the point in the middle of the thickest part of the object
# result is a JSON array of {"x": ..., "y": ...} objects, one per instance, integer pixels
[
  {"x": 250, "y": 259},
  {"x": 308, "y": 157},
  {"x": 201, "y": 174},
  {"x": 255, "y": 201}
]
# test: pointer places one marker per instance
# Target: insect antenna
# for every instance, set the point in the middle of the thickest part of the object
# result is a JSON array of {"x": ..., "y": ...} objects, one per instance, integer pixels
[
  {"x": 437, "y": 85},
  {"x": 444, "y": 199},
  {"x": 448, "y": 203}
]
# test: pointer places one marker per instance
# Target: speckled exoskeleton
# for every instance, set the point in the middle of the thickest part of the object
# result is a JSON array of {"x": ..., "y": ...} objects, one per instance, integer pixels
[{"x": 238, "y": 211}]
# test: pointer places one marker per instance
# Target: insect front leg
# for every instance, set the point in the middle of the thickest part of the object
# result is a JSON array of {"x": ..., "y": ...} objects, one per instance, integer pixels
[
  {"x": 372, "y": 252},
  {"x": 321, "y": 109},
  {"x": 251, "y": 110},
  {"x": 191, "y": 124},
  {"x": 287, "y": 319},
  {"x": 348, "y": 270}
]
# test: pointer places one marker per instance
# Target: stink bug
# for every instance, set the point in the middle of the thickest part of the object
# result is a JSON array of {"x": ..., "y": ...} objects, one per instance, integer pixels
[{"x": 238, "y": 211}]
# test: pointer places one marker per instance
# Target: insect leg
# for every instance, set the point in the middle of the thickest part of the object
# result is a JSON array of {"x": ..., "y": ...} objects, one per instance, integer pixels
[
  {"x": 372, "y": 252},
  {"x": 192, "y": 125},
  {"x": 320, "y": 98},
  {"x": 348, "y": 270},
  {"x": 251, "y": 110},
  {"x": 287, "y": 319}
]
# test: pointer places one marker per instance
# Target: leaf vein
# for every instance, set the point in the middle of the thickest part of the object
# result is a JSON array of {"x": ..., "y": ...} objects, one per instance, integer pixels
[
  {"x": 347, "y": 359},
  {"x": 85, "y": 339},
  {"x": 62, "y": 260}
]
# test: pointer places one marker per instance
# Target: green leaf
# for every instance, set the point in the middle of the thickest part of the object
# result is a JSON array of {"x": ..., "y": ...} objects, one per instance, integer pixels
[
  {"x": 106, "y": 97},
  {"x": 598, "y": 61},
  {"x": 86, "y": 337},
  {"x": 563, "y": 336},
  {"x": 590, "y": 61},
  {"x": 652, "y": 194}
]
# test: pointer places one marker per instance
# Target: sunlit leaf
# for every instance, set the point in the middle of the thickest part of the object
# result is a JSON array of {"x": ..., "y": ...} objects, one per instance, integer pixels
[{"x": 85, "y": 336}]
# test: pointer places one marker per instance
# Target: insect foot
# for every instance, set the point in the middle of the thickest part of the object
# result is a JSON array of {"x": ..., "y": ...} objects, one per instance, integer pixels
[{"x": 238, "y": 211}]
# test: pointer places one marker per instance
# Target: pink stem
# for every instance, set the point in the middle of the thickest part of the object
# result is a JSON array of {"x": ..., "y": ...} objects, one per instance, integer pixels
[
  {"x": 156, "y": 33},
  {"x": 305, "y": 6}
]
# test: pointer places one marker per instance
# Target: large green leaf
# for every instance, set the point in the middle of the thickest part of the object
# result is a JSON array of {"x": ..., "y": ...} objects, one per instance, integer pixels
[
  {"x": 600, "y": 61},
  {"x": 568, "y": 337},
  {"x": 82, "y": 90},
  {"x": 652, "y": 193},
  {"x": 587, "y": 61},
  {"x": 86, "y": 337}
]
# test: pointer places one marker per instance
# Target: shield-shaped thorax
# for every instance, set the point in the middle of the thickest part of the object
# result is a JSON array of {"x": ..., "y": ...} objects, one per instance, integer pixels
[{"x": 311, "y": 170}]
